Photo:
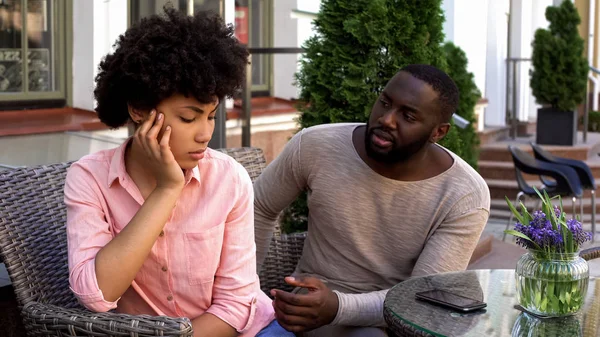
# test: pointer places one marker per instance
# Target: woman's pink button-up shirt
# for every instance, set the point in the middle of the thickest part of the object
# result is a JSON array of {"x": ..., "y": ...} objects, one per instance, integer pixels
[{"x": 203, "y": 261}]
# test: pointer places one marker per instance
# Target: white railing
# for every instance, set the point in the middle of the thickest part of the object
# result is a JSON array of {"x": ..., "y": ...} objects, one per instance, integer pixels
[{"x": 593, "y": 77}]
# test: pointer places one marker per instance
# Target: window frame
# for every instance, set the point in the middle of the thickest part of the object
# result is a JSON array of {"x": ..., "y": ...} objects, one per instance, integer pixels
[
  {"x": 267, "y": 70},
  {"x": 267, "y": 21},
  {"x": 61, "y": 57}
]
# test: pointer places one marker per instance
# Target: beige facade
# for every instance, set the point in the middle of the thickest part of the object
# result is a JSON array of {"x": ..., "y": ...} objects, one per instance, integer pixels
[{"x": 583, "y": 7}]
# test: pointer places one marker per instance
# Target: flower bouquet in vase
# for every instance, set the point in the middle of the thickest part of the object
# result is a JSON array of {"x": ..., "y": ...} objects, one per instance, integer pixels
[{"x": 552, "y": 278}]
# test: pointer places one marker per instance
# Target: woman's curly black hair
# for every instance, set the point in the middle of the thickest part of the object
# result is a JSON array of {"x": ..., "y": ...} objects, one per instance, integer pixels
[{"x": 196, "y": 56}]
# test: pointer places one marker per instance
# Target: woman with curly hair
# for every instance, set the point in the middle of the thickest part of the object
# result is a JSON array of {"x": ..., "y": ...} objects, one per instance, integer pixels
[{"x": 163, "y": 225}]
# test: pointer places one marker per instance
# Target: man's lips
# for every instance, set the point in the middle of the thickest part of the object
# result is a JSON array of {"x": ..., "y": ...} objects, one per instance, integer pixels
[
  {"x": 380, "y": 142},
  {"x": 382, "y": 139},
  {"x": 383, "y": 135}
]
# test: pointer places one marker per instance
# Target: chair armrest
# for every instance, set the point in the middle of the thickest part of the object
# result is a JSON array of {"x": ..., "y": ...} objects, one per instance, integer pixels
[
  {"x": 564, "y": 175},
  {"x": 547, "y": 182},
  {"x": 582, "y": 169},
  {"x": 590, "y": 253},
  {"x": 51, "y": 320},
  {"x": 281, "y": 261}
]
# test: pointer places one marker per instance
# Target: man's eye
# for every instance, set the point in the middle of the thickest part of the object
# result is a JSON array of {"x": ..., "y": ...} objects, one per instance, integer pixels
[
  {"x": 212, "y": 118},
  {"x": 185, "y": 120},
  {"x": 384, "y": 102}
]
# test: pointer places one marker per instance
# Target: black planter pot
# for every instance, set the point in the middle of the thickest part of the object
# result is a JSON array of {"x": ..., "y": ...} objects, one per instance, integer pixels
[{"x": 556, "y": 127}]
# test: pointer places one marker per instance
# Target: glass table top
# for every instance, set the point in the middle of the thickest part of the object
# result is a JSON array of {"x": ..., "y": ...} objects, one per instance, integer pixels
[{"x": 501, "y": 317}]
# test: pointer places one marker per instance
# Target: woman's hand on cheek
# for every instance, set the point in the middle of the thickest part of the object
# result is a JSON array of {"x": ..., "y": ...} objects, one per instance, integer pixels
[{"x": 162, "y": 163}]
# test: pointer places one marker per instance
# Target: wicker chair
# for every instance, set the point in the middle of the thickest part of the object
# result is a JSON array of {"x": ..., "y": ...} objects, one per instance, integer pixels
[
  {"x": 33, "y": 246},
  {"x": 590, "y": 253}
]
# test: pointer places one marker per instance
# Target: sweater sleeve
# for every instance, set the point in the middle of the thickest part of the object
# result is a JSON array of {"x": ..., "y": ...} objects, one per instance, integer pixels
[
  {"x": 275, "y": 189},
  {"x": 360, "y": 309}
]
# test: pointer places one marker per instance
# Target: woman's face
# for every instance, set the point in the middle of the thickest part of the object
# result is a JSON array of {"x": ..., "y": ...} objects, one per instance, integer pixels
[{"x": 192, "y": 125}]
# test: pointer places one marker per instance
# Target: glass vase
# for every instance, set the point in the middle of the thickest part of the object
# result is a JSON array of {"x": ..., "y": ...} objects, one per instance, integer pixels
[{"x": 551, "y": 284}]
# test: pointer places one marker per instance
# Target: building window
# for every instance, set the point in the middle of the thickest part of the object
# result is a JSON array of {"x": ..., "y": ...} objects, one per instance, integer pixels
[
  {"x": 143, "y": 8},
  {"x": 260, "y": 18},
  {"x": 255, "y": 13},
  {"x": 32, "y": 50}
]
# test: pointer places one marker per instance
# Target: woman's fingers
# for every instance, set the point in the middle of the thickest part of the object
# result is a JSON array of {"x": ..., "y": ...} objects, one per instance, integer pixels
[
  {"x": 143, "y": 131},
  {"x": 147, "y": 123},
  {"x": 165, "y": 149},
  {"x": 152, "y": 136}
]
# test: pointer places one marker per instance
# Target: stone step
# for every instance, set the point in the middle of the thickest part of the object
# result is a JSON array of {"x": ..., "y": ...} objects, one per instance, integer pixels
[
  {"x": 499, "y": 170},
  {"x": 493, "y": 134},
  {"x": 500, "y": 188},
  {"x": 499, "y": 152}
]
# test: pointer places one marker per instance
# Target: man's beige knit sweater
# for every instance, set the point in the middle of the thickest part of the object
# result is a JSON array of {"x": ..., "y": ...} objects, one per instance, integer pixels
[{"x": 367, "y": 232}]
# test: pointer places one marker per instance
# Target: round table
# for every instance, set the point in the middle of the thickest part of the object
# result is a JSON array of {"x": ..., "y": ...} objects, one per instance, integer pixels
[{"x": 407, "y": 316}]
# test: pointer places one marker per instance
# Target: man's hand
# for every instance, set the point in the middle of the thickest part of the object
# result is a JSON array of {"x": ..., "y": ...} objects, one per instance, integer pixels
[{"x": 303, "y": 312}]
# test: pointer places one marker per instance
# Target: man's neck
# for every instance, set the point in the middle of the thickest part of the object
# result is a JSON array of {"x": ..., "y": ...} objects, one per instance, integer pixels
[{"x": 417, "y": 167}]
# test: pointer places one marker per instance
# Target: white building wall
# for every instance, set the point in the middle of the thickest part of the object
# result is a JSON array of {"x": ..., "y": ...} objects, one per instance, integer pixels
[
  {"x": 305, "y": 27},
  {"x": 83, "y": 57},
  {"x": 290, "y": 31},
  {"x": 527, "y": 17},
  {"x": 97, "y": 24},
  {"x": 466, "y": 24},
  {"x": 285, "y": 34},
  {"x": 538, "y": 20},
  {"x": 480, "y": 28},
  {"x": 521, "y": 37},
  {"x": 110, "y": 21},
  {"x": 495, "y": 77},
  {"x": 448, "y": 8}
]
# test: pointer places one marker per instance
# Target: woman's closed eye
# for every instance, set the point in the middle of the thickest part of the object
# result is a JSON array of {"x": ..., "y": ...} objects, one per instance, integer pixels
[{"x": 185, "y": 120}]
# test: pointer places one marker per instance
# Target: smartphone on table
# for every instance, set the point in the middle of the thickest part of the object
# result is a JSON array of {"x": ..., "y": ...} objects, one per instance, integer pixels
[{"x": 451, "y": 300}]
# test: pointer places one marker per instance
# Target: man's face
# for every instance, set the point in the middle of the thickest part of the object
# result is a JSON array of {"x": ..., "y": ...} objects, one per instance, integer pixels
[{"x": 402, "y": 120}]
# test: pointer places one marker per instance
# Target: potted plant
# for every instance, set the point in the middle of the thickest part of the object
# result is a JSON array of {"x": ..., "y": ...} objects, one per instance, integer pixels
[
  {"x": 559, "y": 75},
  {"x": 552, "y": 278}
]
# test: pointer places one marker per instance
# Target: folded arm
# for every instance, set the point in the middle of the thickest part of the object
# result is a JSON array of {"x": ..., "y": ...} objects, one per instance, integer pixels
[
  {"x": 236, "y": 284},
  {"x": 102, "y": 267}
]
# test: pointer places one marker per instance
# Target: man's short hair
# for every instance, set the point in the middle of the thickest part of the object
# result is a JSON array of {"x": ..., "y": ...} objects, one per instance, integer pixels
[{"x": 447, "y": 90}]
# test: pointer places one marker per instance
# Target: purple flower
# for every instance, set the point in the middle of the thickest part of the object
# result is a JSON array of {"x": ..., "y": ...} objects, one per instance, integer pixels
[
  {"x": 542, "y": 235},
  {"x": 557, "y": 211},
  {"x": 540, "y": 231},
  {"x": 579, "y": 236}
]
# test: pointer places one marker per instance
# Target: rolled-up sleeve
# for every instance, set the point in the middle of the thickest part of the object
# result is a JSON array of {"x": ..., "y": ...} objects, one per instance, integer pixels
[
  {"x": 236, "y": 283},
  {"x": 87, "y": 233}
]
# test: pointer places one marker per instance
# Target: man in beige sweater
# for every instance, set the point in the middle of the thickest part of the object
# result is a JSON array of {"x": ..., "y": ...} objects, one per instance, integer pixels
[{"x": 386, "y": 203}]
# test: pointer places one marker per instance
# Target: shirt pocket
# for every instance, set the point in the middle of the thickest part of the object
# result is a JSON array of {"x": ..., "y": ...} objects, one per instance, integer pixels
[{"x": 203, "y": 254}]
